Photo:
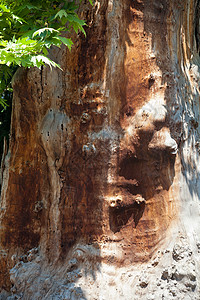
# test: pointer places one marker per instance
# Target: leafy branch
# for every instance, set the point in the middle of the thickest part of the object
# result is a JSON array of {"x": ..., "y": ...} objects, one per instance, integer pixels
[{"x": 28, "y": 28}]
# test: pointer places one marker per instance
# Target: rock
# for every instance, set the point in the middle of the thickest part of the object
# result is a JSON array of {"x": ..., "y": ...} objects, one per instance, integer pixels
[
  {"x": 181, "y": 251},
  {"x": 165, "y": 275}
]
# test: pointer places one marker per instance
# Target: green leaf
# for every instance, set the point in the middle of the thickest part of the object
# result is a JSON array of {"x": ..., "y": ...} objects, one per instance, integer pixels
[
  {"x": 61, "y": 13},
  {"x": 66, "y": 42},
  {"x": 45, "y": 51},
  {"x": 44, "y": 30},
  {"x": 4, "y": 8},
  {"x": 20, "y": 20},
  {"x": 75, "y": 18},
  {"x": 3, "y": 103},
  {"x": 40, "y": 60}
]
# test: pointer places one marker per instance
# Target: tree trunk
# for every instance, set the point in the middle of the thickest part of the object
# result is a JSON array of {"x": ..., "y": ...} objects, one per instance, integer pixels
[{"x": 100, "y": 194}]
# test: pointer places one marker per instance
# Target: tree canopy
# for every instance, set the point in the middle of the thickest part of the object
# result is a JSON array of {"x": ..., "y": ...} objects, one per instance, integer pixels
[{"x": 28, "y": 28}]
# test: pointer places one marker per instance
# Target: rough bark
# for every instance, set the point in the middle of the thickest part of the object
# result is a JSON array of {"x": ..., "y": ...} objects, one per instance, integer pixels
[{"x": 100, "y": 195}]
